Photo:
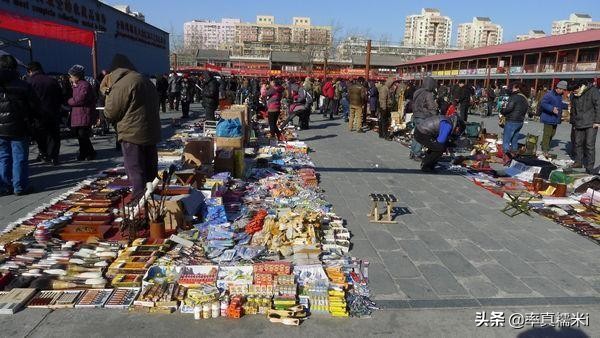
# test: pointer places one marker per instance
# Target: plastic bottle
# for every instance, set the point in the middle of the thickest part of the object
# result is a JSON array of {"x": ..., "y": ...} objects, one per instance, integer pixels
[
  {"x": 224, "y": 306},
  {"x": 206, "y": 311},
  {"x": 215, "y": 309}
]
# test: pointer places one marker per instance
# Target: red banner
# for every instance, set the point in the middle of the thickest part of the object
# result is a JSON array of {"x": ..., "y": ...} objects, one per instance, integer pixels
[{"x": 46, "y": 29}]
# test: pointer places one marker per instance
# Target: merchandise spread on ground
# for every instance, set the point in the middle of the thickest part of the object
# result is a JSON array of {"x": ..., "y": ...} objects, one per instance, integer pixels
[{"x": 248, "y": 234}]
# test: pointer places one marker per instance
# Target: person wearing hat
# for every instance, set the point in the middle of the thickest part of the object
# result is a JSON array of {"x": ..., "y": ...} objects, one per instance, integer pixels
[
  {"x": 435, "y": 133},
  {"x": 551, "y": 108},
  {"x": 83, "y": 112},
  {"x": 18, "y": 106}
]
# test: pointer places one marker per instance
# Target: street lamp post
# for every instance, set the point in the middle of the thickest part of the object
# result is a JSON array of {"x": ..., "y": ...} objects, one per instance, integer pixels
[{"x": 29, "y": 47}]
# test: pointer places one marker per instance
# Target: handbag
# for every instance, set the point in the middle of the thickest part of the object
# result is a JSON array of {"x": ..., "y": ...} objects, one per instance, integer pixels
[{"x": 501, "y": 121}]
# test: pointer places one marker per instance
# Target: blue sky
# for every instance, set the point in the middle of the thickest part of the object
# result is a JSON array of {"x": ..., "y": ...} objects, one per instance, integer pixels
[{"x": 379, "y": 18}]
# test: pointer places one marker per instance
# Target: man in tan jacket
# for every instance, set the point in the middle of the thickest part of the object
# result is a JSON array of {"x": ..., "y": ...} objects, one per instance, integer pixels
[
  {"x": 385, "y": 102},
  {"x": 132, "y": 105},
  {"x": 358, "y": 97}
]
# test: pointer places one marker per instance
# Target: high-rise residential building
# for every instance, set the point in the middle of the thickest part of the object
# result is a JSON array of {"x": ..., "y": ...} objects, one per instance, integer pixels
[
  {"x": 264, "y": 36},
  {"x": 577, "y": 22},
  {"x": 533, "y": 34},
  {"x": 205, "y": 34},
  {"x": 429, "y": 29},
  {"x": 479, "y": 33}
]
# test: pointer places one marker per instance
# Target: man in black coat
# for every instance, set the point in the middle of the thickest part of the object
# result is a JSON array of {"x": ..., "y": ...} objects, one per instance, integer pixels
[
  {"x": 47, "y": 126},
  {"x": 464, "y": 100},
  {"x": 18, "y": 107},
  {"x": 210, "y": 95},
  {"x": 162, "y": 86},
  {"x": 585, "y": 117}
]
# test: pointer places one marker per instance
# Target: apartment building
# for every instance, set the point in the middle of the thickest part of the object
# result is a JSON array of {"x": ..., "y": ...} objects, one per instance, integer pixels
[
  {"x": 429, "y": 29},
  {"x": 479, "y": 33},
  {"x": 206, "y": 34},
  {"x": 577, "y": 22}
]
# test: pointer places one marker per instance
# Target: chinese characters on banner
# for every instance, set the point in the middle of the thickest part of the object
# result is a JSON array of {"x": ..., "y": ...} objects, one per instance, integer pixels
[{"x": 90, "y": 15}]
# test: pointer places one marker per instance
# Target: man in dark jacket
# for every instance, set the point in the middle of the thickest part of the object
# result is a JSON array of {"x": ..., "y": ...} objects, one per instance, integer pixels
[
  {"x": 19, "y": 105},
  {"x": 174, "y": 90},
  {"x": 551, "y": 107},
  {"x": 464, "y": 100},
  {"x": 585, "y": 116},
  {"x": 514, "y": 113},
  {"x": 162, "y": 86},
  {"x": 210, "y": 95},
  {"x": 424, "y": 106},
  {"x": 435, "y": 133},
  {"x": 132, "y": 104},
  {"x": 47, "y": 127},
  {"x": 490, "y": 96}
]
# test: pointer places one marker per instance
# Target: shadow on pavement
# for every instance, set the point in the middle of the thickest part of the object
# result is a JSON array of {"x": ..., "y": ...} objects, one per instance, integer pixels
[
  {"x": 319, "y": 137},
  {"x": 324, "y": 125},
  {"x": 384, "y": 171}
]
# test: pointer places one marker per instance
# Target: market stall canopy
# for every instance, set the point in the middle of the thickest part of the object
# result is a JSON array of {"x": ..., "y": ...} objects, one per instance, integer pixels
[
  {"x": 377, "y": 60},
  {"x": 290, "y": 57},
  {"x": 212, "y": 55}
]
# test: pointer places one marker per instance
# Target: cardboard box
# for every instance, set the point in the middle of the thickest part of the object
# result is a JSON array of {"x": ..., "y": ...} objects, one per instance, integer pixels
[
  {"x": 175, "y": 214},
  {"x": 225, "y": 160},
  {"x": 198, "y": 152},
  {"x": 230, "y": 142},
  {"x": 237, "y": 111}
]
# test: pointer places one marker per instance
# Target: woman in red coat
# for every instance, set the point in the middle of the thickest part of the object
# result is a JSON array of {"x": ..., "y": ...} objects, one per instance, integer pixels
[{"x": 83, "y": 112}]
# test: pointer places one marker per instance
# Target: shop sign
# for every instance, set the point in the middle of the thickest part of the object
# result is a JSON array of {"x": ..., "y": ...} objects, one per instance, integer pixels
[{"x": 586, "y": 67}]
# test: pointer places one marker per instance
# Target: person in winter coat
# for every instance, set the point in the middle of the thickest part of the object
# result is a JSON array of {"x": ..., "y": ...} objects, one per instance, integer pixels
[
  {"x": 344, "y": 102},
  {"x": 174, "y": 91},
  {"x": 357, "y": 96},
  {"x": 514, "y": 113},
  {"x": 187, "y": 95},
  {"x": 551, "y": 107},
  {"x": 490, "y": 95},
  {"x": 83, "y": 112},
  {"x": 296, "y": 96},
  {"x": 423, "y": 106},
  {"x": 435, "y": 133},
  {"x": 162, "y": 86},
  {"x": 385, "y": 102},
  {"x": 132, "y": 104},
  {"x": 329, "y": 94},
  {"x": 47, "y": 130},
  {"x": 337, "y": 95},
  {"x": 585, "y": 117},
  {"x": 273, "y": 96},
  {"x": 373, "y": 98},
  {"x": 19, "y": 105},
  {"x": 317, "y": 92},
  {"x": 210, "y": 95},
  {"x": 464, "y": 100}
]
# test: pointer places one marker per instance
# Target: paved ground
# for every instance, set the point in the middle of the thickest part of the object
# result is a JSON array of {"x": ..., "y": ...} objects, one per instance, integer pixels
[{"x": 452, "y": 254}]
